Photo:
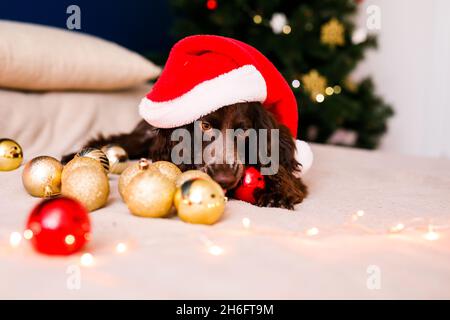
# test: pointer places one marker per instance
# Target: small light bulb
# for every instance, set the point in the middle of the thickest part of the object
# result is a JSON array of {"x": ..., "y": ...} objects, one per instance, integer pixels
[
  {"x": 215, "y": 250},
  {"x": 27, "y": 234},
  {"x": 69, "y": 239},
  {"x": 121, "y": 247},
  {"x": 287, "y": 29},
  {"x": 312, "y": 232},
  {"x": 329, "y": 91},
  {"x": 257, "y": 19},
  {"x": 431, "y": 235},
  {"x": 246, "y": 223},
  {"x": 337, "y": 89},
  {"x": 14, "y": 239},
  {"x": 397, "y": 228},
  {"x": 360, "y": 213},
  {"x": 295, "y": 83},
  {"x": 320, "y": 98},
  {"x": 87, "y": 260}
]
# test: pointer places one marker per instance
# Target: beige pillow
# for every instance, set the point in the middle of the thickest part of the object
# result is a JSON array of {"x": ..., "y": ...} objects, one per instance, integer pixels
[{"x": 34, "y": 57}]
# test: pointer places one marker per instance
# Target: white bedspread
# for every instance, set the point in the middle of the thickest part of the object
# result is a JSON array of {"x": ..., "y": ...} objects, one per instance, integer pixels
[{"x": 167, "y": 258}]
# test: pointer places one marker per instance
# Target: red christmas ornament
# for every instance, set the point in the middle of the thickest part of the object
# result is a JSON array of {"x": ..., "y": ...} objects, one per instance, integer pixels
[
  {"x": 211, "y": 4},
  {"x": 60, "y": 226},
  {"x": 252, "y": 180}
]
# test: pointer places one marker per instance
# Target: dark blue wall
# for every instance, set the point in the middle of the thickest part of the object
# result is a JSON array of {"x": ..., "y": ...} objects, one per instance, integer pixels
[{"x": 140, "y": 25}]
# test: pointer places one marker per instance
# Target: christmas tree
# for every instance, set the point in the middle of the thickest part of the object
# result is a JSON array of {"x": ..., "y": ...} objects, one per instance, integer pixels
[{"x": 316, "y": 46}]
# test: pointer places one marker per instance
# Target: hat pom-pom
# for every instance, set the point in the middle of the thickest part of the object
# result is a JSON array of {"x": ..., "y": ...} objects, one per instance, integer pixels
[{"x": 304, "y": 155}]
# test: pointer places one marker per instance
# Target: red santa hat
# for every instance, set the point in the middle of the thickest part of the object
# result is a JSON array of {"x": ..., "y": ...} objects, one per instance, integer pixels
[{"x": 204, "y": 73}]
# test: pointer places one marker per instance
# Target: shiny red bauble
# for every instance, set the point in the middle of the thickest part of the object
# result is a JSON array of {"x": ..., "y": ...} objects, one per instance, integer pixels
[
  {"x": 59, "y": 226},
  {"x": 251, "y": 181}
]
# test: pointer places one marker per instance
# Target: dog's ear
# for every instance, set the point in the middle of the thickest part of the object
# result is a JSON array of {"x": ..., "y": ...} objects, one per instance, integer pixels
[{"x": 263, "y": 119}]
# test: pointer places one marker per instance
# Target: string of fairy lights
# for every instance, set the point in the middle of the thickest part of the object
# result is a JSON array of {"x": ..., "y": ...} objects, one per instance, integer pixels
[{"x": 417, "y": 227}]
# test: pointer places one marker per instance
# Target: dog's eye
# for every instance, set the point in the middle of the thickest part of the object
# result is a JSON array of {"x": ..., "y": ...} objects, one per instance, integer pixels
[{"x": 206, "y": 126}]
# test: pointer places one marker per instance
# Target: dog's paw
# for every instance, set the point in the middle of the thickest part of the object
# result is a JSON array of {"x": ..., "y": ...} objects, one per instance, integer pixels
[{"x": 275, "y": 200}]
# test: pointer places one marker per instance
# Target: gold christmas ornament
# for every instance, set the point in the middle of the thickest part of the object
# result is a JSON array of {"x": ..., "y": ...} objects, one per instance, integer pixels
[
  {"x": 78, "y": 162},
  {"x": 130, "y": 172},
  {"x": 191, "y": 174},
  {"x": 117, "y": 156},
  {"x": 11, "y": 155},
  {"x": 332, "y": 33},
  {"x": 168, "y": 169},
  {"x": 314, "y": 83},
  {"x": 95, "y": 154},
  {"x": 88, "y": 184},
  {"x": 41, "y": 176},
  {"x": 150, "y": 194},
  {"x": 200, "y": 201}
]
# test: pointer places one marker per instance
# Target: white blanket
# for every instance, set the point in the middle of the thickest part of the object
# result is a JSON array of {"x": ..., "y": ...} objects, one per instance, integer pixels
[{"x": 167, "y": 258}]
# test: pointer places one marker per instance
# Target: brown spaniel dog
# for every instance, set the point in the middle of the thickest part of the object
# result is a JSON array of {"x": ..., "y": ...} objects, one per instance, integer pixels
[{"x": 283, "y": 189}]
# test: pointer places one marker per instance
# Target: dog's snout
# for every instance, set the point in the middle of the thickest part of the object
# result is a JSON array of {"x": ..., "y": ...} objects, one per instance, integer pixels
[
  {"x": 227, "y": 176},
  {"x": 225, "y": 180}
]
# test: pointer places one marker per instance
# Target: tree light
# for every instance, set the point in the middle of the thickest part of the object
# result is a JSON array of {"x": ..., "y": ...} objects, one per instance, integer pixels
[
  {"x": 329, "y": 91},
  {"x": 295, "y": 83},
  {"x": 257, "y": 19},
  {"x": 320, "y": 98},
  {"x": 287, "y": 29}
]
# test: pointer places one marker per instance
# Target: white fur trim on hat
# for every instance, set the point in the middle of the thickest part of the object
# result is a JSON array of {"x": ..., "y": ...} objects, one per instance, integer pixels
[
  {"x": 243, "y": 84},
  {"x": 304, "y": 156}
]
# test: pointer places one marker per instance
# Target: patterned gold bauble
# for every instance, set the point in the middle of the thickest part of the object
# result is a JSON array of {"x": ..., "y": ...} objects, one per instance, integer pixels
[
  {"x": 95, "y": 154},
  {"x": 130, "y": 172},
  {"x": 150, "y": 194},
  {"x": 11, "y": 155},
  {"x": 88, "y": 184},
  {"x": 168, "y": 169},
  {"x": 332, "y": 33},
  {"x": 41, "y": 176},
  {"x": 314, "y": 83},
  {"x": 117, "y": 156},
  {"x": 200, "y": 201},
  {"x": 190, "y": 174}
]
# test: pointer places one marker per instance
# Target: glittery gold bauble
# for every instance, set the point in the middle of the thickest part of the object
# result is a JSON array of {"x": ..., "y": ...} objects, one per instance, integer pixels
[
  {"x": 41, "y": 176},
  {"x": 168, "y": 169},
  {"x": 314, "y": 83},
  {"x": 332, "y": 33},
  {"x": 200, "y": 201},
  {"x": 87, "y": 184},
  {"x": 95, "y": 154},
  {"x": 130, "y": 172},
  {"x": 78, "y": 162},
  {"x": 11, "y": 155},
  {"x": 118, "y": 158},
  {"x": 150, "y": 194},
  {"x": 190, "y": 174}
]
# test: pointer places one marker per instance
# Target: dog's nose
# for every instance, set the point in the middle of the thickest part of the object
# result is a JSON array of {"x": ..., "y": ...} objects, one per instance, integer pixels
[
  {"x": 226, "y": 181},
  {"x": 227, "y": 176}
]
